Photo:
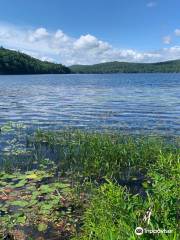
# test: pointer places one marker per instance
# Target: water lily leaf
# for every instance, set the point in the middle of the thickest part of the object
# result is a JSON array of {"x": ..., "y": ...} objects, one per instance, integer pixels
[
  {"x": 3, "y": 183},
  {"x": 21, "y": 219},
  {"x": 32, "y": 176},
  {"x": 7, "y": 176},
  {"x": 6, "y": 128},
  {"x": 20, "y": 184},
  {"x": 42, "y": 227},
  {"x": 46, "y": 188},
  {"x": 20, "y": 203},
  {"x": 46, "y": 206},
  {"x": 33, "y": 202}
]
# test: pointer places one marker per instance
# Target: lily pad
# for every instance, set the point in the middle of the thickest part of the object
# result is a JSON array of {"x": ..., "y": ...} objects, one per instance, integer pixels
[
  {"x": 20, "y": 203},
  {"x": 21, "y": 183},
  {"x": 42, "y": 227},
  {"x": 21, "y": 219}
]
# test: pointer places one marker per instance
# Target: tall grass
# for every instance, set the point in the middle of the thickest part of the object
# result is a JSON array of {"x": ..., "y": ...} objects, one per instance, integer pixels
[
  {"x": 125, "y": 176},
  {"x": 104, "y": 154},
  {"x": 123, "y": 162}
]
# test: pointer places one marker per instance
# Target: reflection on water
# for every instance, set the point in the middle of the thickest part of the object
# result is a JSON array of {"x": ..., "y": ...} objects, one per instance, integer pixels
[{"x": 129, "y": 102}]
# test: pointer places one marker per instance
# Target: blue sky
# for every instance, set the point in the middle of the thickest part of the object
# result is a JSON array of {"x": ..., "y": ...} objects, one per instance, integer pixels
[{"x": 92, "y": 31}]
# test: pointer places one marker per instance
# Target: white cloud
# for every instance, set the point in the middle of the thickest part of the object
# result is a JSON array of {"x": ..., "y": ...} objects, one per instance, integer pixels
[
  {"x": 87, "y": 49},
  {"x": 60, "y": 36},
  {"x": 37, "y": 35},
  {"x": 151, "y": 4},
  {"x": 167, "y": 39},
  {"x": 88, "y": 41},
  {"x": 177, "y": 32}
]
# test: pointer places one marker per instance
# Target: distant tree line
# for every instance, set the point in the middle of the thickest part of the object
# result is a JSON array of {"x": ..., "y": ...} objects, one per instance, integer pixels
[
  {"x": 13, "y": 62},
  {"x": 124, "y": 67}
]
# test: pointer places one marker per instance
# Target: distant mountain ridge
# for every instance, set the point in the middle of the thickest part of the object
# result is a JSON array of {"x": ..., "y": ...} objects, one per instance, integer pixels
[
  {"x": 13, "y": 62},
  {"x": 127, "y": 67}
]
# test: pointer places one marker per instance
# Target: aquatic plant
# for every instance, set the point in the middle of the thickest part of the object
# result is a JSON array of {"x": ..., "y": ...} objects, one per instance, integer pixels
[
  {"x": 38, "y": 201},
  {"x": 88, "y": 185}
]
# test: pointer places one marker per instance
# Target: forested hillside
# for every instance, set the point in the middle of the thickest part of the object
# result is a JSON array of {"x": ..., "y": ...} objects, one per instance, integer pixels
[
  {"x": 13, "y": 62},
  {"x": 125, "y": 67}
]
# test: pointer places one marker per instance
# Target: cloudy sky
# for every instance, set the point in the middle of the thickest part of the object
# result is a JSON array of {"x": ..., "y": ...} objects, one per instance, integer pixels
[{"x": 92, "y": 31}]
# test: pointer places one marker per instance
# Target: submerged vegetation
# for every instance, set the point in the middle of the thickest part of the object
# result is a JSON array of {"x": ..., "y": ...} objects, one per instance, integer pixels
[
  {"x": 88, "y": 185},
  {"x": 34, "y": 203}
]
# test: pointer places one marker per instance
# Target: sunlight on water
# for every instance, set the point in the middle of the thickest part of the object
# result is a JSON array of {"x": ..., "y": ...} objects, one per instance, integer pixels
[{"x": 128, "y": 102}]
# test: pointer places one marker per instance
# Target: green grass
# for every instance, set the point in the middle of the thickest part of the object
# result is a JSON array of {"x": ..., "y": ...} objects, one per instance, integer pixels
[
  {"x": 119, "y": 177},
  {"x": 115, "y": 156},
  {"x": 114, "y": 212}
]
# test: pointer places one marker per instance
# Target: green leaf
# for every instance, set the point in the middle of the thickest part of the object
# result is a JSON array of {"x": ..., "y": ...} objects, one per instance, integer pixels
[
  {"x": 145, "y": 184},
  {"x": 46, "y": 189},
  {"x": 42, "y": 227},
  {"x": 20, "y": 203},
  {"x": 21, "y": 219},
  {"x": 21, "y": 183}
]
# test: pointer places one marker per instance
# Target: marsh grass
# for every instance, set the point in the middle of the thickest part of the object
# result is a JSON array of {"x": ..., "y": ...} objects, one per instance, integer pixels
[
  {"x": 119, "y": 176},
  {"x": 126, "y": 175},
  {"x": 98, "y": 155}
]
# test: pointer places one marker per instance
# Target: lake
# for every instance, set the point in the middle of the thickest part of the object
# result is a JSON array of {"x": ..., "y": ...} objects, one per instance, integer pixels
[{"x": 133, "y": 103}]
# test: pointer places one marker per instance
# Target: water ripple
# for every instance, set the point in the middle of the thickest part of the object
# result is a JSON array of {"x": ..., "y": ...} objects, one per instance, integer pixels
[{"x": 133, "y": 102}]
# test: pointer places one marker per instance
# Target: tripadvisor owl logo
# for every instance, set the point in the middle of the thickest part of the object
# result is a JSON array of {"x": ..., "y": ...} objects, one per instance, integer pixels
[{"x": 139, "y": 231}]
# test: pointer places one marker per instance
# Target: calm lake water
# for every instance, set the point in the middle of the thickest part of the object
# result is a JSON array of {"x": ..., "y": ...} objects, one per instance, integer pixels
[{"x": 132, "y": 103}]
